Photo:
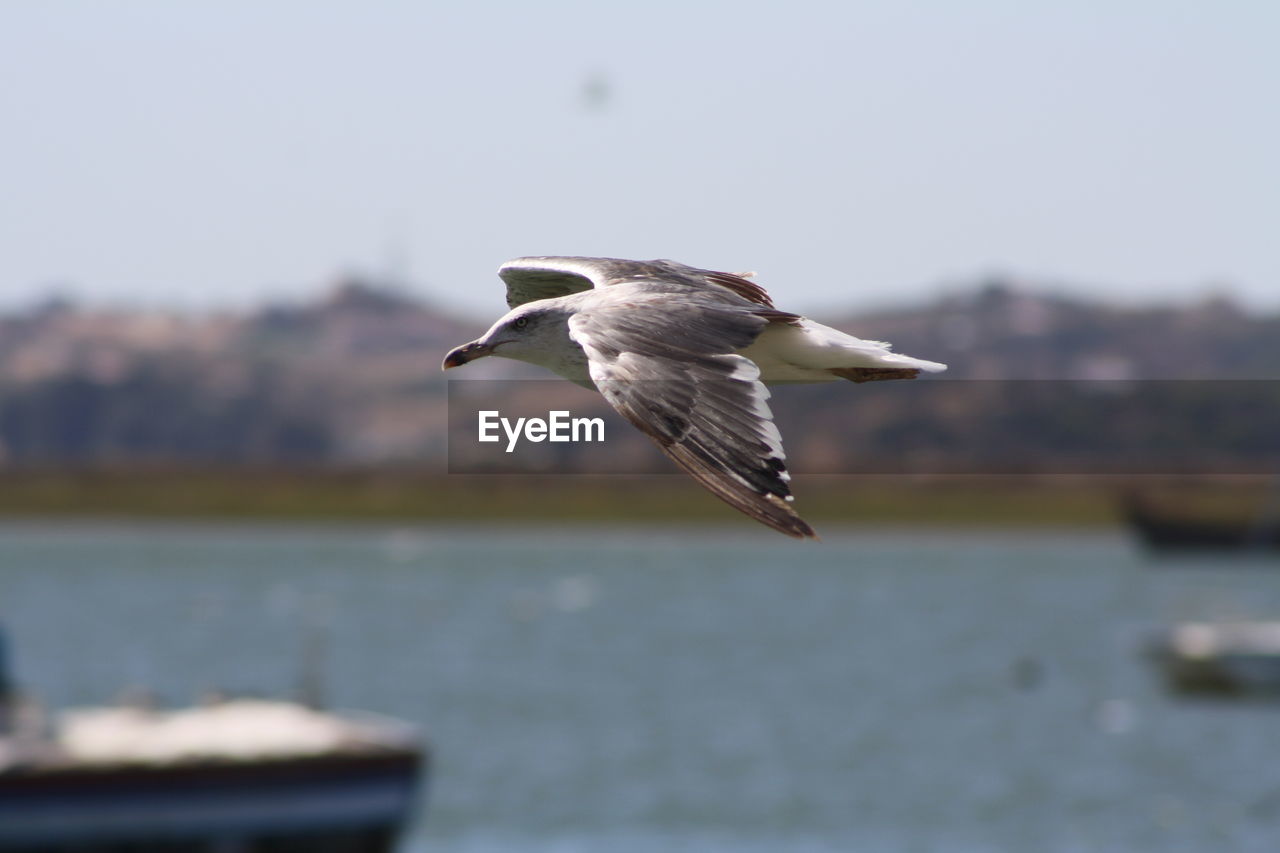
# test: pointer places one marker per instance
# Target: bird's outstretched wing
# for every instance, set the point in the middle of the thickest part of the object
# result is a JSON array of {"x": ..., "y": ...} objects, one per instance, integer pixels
[
  {"x": 671, "y": 370},
  {"x": 528, "y": 279}
]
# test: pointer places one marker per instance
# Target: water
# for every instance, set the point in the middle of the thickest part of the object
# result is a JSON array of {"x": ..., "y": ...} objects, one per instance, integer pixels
[{"x": 659, "y": 690}]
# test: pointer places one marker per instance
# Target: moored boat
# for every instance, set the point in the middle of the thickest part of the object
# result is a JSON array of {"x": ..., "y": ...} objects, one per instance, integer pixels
[
  {"x": 237, "y": 775},
  {"x": 1165, "y": 529},
  {"x": 1221, "y": 657}
]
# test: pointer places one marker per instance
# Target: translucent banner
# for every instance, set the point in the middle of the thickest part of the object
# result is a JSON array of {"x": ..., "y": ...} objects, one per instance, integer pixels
[{"x": 902, "y": 427}]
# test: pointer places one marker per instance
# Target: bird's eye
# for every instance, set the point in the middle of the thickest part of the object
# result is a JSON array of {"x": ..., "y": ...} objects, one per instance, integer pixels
[{"x": 521, "y": 322}]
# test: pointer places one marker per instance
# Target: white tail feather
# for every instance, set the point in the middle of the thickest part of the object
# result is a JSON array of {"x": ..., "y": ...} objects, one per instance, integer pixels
[{"x": 807, "y": 351}]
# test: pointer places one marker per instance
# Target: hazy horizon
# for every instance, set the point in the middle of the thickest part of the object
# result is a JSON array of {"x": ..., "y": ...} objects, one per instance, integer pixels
[
  {"x": 229, "y": 154},
  {"x": 318, "y": 292}
]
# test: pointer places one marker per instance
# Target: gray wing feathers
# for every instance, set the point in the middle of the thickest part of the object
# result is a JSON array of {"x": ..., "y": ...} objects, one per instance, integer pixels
[
  {"x": 670, "y": 369},
  {"x": 533, "y": 278},
  {"x": 530, "y": 279}
]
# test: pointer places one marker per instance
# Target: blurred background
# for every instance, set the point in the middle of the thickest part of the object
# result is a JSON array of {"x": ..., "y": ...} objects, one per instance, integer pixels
[{"x": 236, "y": 239}]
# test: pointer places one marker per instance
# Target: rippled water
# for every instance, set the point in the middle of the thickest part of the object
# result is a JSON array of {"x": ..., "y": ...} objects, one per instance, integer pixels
[{"x": 662, "y": 690}]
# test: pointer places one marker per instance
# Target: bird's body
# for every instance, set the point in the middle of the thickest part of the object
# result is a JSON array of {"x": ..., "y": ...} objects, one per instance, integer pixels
[{"x": 683, "y": 354}]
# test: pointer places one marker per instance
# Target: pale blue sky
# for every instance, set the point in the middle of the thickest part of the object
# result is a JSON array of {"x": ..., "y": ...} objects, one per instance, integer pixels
[{"x": 213, "y": 153}]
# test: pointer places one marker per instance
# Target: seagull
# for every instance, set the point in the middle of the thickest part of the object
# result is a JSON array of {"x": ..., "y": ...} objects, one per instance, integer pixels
[{"x": 683, "y": 354}]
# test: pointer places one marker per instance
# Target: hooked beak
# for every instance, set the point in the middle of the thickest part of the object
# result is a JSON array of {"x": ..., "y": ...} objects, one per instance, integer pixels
[{"x": 459, "y": 356}]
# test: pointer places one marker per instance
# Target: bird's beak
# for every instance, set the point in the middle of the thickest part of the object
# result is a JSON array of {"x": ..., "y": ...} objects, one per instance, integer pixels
[{"x": 459, "y": 356}]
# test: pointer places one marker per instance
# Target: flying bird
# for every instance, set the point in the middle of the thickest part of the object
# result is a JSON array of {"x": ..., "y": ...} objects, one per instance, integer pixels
[{"x": 683, "y": 354}]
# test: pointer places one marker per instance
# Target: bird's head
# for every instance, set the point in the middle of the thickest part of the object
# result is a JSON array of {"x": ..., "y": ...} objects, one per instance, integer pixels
[{"x": 526, "y": 333}]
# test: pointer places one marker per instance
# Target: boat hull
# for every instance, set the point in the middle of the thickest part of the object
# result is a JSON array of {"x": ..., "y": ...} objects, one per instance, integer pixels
[{"x": 335, "y": 803}]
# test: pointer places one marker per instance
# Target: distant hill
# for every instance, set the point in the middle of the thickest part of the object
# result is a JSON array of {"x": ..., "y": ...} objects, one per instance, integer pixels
[
  {"x": 354, "y": 379},
  {"x": 351, "y": 378},
  {"x": 998, "y": 331}
]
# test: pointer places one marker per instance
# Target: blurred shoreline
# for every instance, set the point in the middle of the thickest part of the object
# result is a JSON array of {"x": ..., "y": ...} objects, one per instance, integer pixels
[{"x": 405, "y": 495}]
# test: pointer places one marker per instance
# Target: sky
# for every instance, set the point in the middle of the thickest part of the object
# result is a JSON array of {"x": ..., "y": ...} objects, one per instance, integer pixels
[{"x": 214, "y": 154}]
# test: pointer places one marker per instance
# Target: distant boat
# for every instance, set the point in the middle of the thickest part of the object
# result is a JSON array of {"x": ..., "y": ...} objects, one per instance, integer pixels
[
  {"x": 1230, "y": 658},
  {"x": 249, "y": 776},
  {"x": 1166, "y": 529}
]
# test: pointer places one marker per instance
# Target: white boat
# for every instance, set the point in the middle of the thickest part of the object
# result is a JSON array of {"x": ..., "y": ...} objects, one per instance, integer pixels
[
  {"x": 1222, "y": 657},
  {"x": 232, "y": 776}
]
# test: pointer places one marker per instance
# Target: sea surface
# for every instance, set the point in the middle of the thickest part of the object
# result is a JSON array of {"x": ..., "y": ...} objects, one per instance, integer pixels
[{"x": 665, "y": 689}]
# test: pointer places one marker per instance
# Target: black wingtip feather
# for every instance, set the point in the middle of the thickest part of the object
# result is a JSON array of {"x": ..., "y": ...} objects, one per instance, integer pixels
[{"x": 769, "y": 510}]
